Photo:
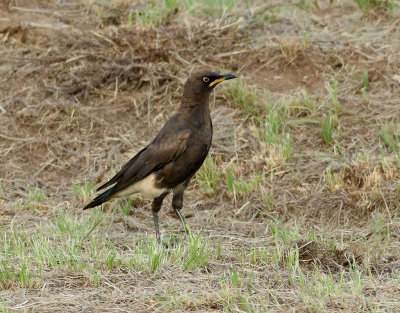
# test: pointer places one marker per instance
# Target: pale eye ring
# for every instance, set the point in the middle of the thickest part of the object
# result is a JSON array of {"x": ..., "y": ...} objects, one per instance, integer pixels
[{"x": 206, "y": 79}]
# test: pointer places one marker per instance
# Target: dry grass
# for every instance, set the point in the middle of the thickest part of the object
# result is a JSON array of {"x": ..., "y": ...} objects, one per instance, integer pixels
[{"x": 296, "y": 208}]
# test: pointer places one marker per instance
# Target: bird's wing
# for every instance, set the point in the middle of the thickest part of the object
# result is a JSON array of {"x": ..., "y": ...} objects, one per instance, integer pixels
[
  {"x": 115, "y": 178},
  {"x": 166, "y": 147}
]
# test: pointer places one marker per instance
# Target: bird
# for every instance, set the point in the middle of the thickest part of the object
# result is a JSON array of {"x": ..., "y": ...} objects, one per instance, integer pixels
[{"x": 170, "y": 160}]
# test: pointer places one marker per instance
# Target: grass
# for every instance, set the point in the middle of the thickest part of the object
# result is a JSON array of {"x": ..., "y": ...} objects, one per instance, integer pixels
[
  {"x": 271, "y": 135},
  {"x": 371, "y": 5},
  {"x": 126, "y": 207},
  {"x": 35, "y": 195},
  {"x": 238, "y": 187},
  {"x": 295, "y": 209},
  {"x": 271, "y": 117},
  {"x": 208, "y": 176},
  {"x": 301, "y": 105},
  {"x": 212, "y": 8},
  {"x": 64, "y": 244},
  {"x": 156, "y": 13},
  {"x": 326, "y": 132},
  {"x": 332, "y": 180},
  {"x": 243, "y": 96},
  {"x": 150, "y": 16},
  {"x": 334, "y": 105},
  {"x": 73, "y": 244},
  {"x": 84, "y": 191},
  {"x": 389, "y": 134},
  {"x": 268, "y": 119},
  {"x": 314, "y": 289},
  {"x": 330, "y": 124}
]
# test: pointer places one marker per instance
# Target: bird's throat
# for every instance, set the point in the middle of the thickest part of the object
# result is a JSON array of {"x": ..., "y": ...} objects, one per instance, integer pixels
[{"x": 192, "y": 100}]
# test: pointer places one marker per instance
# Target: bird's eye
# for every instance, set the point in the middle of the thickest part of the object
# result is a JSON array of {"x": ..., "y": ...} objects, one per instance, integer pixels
[{"x": 206, "y": 79}]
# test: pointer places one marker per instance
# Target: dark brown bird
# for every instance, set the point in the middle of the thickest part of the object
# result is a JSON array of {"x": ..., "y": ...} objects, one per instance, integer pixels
[{"x": 175, "y": 154}]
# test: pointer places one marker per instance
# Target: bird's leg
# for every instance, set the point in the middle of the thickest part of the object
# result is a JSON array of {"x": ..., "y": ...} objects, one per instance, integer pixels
[
  {"x": 156, "y": 206},
  {"x": 155, "y": 217},
  {"x": 177, "y": 204}
]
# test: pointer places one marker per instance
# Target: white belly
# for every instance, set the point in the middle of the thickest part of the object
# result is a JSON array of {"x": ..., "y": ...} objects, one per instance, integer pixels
[{"x": 146, "y": 187}]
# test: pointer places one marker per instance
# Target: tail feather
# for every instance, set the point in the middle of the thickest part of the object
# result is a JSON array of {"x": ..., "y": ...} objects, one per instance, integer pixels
[
  {"x": 100, "y": 199},
  {"x": 110, "y": 182}
]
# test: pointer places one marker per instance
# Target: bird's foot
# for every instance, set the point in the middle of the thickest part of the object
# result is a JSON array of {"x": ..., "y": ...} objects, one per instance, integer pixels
[{"x": 174, "y": 240}]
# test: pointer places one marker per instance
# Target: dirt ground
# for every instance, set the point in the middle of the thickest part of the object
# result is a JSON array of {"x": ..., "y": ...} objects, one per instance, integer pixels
[{"x": 85, "y": 84}]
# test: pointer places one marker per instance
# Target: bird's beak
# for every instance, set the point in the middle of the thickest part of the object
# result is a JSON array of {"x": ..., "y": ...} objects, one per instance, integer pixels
[{"x": 224, "y": 77}]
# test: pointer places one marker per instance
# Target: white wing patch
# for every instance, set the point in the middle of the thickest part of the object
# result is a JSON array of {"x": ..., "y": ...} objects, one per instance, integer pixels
[{"x": 146, "y": 187}]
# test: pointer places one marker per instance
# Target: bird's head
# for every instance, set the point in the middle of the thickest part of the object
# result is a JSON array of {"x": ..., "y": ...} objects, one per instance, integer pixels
[{"x": 204, "y": 82}]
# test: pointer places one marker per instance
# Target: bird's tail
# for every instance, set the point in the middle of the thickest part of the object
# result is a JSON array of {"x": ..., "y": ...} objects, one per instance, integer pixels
[{"x": 100, "y": 199}]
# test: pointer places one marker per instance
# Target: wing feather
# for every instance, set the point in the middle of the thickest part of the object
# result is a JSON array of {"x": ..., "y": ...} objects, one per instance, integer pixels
[{"x": 168, "y": 145}]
